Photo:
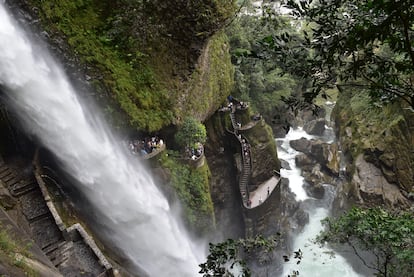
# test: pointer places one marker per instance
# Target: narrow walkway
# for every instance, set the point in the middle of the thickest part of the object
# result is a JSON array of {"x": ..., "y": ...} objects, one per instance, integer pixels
[
  {"x": 44, "y": 231},
  {"x": 246, "y": 159},
  {"x": 71, "y": 257},
  {"x": 258, "y": 196}
]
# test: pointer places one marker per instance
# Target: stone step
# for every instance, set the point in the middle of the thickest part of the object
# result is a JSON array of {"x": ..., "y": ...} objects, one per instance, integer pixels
[
  {"x": 4, "y": 168},
  {"x": 12, "y": 182},
  {"x": 39, "y": 217},
  {"x": 48, "y": 249},
  {"x": 59, "y": 252},
  {"x": 11, "y": 178},
  {"x": 6, "y": 174},
  {"x": 45, "y": 232},
  {"x": 33, "y": 205},
  {"x": 21, "y": 188}
]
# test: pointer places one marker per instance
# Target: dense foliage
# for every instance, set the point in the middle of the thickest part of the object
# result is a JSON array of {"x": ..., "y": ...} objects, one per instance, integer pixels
[
  {"x": 119, "y": 72},
  {"x": 225, "y": 258},
  {"x": 258, "y": 78},
  {"x": 389, "y": 236},
  {"x": 349, "y": 42},
  {"x": 190, "y": 133}
]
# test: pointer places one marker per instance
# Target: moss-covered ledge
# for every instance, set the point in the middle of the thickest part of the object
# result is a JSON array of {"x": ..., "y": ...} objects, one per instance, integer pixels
[
  {"x": 192, "y": 186},
  {"x": 210, "y": 83}
]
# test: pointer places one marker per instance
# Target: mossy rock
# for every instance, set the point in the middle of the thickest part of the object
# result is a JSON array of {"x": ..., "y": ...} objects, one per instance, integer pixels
[
  {"x": 192, "y": 186},
  {"x": 378, "y": 133},
  {"x": 210, "y": 83},
  {"x": 264, "y": 152}
]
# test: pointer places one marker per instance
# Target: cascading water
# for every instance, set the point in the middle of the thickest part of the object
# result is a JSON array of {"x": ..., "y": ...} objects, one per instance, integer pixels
[
  {"x": 134, "y": 214},
  {"x": 317, "y": 260}
]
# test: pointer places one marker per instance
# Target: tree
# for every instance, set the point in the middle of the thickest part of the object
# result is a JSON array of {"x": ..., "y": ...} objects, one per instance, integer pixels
[
  {"x": 258, "y": 78},
  {"x": 351, "y": 42},
  {"x": 190, "y": 133},
  {"x": 389, "y": 236},
  {"x": 225, "y": 258}
]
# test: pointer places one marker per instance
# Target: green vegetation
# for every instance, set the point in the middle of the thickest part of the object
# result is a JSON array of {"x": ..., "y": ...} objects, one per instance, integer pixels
[
  {"x": 367, "y": 122},
  {"x": 9, "y": 247},
  {"x": 212, "y": 82},
  {"x": 259, "y": 79},
  {"x": 225, "y": 256},
  {"x": 190, "y": 133},
  {"x": 140, "y": 55},
  {"x": 389, "y": 236},
  {"x": 193, "y": 189},
  {"x": 364, "y": 44},
  {"x": 124, "y": 72}
]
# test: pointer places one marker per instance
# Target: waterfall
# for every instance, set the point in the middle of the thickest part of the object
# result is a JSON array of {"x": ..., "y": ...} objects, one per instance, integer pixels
[
  {"x": 133, "y": 214},
  {"x": 321, "y": 261}
]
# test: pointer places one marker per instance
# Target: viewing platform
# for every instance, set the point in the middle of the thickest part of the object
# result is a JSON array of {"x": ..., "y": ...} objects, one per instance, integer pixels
[
  {"x": 147, "y": 148},
  {"x": 263, "y": 191},
  {"x": 195, "y": 156}
]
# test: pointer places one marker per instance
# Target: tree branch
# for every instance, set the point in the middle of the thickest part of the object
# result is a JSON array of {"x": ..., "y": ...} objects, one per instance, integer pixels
[{"x": 407, "y": 41}]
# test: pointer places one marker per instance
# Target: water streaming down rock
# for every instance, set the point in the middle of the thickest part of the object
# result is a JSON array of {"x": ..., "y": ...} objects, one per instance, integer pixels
[
  {"x": 134, "y": 214},
  {"x": 287, "y": 153},
  {"x": 317, "y": 261}
]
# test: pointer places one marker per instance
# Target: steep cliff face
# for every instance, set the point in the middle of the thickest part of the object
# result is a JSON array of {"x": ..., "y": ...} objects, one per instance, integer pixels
[
  {"x": 224, "y": 156},
  {"x": 210, "y": 83},
  {"x": 220, "y": 148},
  {"x": 145, "y": 60},
  {"x": 378, "y": 145}
]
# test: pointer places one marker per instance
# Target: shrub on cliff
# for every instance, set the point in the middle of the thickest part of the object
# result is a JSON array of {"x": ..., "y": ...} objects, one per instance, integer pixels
[
  {"x": 190, "y": 133},
  {"x": 389, "y": 236}
]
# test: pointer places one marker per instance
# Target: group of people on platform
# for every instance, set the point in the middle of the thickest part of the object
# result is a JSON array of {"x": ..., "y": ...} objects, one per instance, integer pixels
[
  {"x": 145, "y": 146},
  {"x": 238, "y": 104},
  {"x": 194, "y": 152}
]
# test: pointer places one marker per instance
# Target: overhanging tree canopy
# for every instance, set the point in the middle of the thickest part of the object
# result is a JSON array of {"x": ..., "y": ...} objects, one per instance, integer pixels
[
  {"x": 389, "y": 236},
  {"x": 351, "y": 42},
  {"x": 190, "y": 133}
]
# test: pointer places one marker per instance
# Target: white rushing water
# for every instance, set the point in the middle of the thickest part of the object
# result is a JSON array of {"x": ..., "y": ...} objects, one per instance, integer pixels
[
  {"x": 320, "y": 261},
  {"x": 287, "y": 153},
  {"x": 135, "y": 215}
]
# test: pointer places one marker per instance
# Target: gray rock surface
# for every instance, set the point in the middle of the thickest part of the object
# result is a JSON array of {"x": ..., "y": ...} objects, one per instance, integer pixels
[
  {"x": 373, "y": 188},
  {"x": 315, "y": 127}
]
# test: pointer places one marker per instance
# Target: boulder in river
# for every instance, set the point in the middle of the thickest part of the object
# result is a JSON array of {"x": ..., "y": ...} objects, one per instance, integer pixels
[{"x": 315, "y": 127}]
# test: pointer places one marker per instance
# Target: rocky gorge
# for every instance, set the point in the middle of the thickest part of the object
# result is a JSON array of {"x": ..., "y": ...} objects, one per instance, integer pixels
[
  {"x": 378, "y": 155},
  {"x": 211, "y": 84}
]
